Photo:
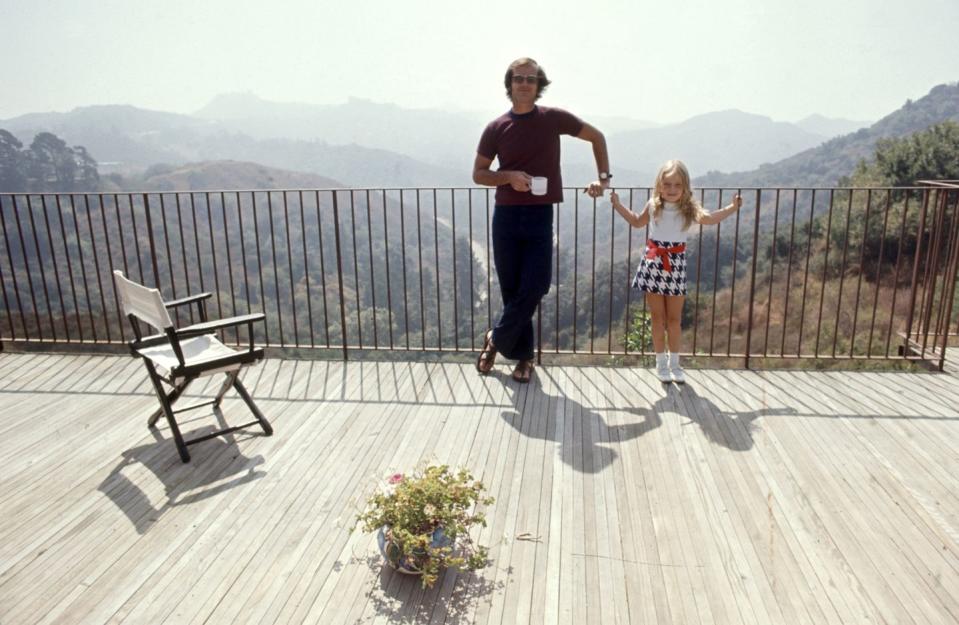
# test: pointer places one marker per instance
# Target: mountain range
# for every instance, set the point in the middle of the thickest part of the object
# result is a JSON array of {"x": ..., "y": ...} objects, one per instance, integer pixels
[
  {"x": 827, "y": 164},
  {"x": 362, "y": 143},
  {"x": 725, "y": 140}
]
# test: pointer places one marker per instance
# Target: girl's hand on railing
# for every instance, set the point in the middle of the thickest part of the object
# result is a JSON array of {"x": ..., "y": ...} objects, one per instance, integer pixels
[
  {"x": 737, "y": 202},
  {"x": 614, "y": 198}
]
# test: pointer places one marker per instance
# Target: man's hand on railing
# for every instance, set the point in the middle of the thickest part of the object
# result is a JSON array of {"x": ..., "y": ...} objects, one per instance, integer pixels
[{"x": 596, "y": 188}]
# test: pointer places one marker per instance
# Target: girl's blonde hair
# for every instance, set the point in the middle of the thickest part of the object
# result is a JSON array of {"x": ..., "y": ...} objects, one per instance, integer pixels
[{"x": 689, "y": 207}]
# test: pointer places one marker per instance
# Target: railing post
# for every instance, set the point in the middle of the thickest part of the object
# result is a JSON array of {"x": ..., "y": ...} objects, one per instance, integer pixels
[
  {"x": 339, "y": 273},
  {"x": 931, "y": 270},
  {"x": 915, "y": 270},
  {"x": 13, "y": 274},
  {"x": 153, "y": 251},
  {"x": 752, "y": 279},
  {"x": 950, "y": 285}
]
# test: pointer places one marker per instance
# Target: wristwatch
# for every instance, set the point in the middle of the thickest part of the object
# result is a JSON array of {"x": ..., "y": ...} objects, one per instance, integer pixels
[{"x": 605, "y": 175}]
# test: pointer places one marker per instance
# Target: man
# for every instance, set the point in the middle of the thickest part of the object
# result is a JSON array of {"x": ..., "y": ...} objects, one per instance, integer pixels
[{"x": 526, "y": 140}]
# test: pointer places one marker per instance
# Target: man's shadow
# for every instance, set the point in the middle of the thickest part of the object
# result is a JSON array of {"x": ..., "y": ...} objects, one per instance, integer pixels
[
  {"x": 583, "y": 437},
  {"x": 184, "y": 483},
  {"x": 586, "y": 441}
]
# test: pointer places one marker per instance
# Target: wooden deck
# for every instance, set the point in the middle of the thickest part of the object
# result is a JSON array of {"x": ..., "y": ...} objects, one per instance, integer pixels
[{"x": 744, "y": 497}]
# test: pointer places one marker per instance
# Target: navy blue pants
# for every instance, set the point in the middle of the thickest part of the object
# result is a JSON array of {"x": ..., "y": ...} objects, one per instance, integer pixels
[{"x": 523, "y": 254}]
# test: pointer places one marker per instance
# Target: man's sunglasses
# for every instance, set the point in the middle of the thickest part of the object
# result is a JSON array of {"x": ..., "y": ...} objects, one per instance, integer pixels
[{"x": 531, "y": 79}]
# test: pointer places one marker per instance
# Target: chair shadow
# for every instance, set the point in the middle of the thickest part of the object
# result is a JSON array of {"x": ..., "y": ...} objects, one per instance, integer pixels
[{"x": 213, "y": 461}]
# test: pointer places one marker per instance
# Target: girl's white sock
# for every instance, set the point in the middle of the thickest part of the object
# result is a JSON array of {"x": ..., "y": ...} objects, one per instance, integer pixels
[
  {"x": 662, "y": 367},
  {"x": 675, "y": 370}
]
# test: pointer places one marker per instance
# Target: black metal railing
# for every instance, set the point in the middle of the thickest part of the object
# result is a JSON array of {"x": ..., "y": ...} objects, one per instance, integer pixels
[{"x": 834, "y": 273}]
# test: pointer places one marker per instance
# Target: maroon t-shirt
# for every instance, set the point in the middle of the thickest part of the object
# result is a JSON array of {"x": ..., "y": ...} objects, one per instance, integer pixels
[{"x": 529, "y": 142}]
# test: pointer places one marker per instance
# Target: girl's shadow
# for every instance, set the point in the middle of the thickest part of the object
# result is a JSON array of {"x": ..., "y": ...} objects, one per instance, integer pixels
[
  {"x": 732, "y": 429},
  {"x": 584, "y": 439}
]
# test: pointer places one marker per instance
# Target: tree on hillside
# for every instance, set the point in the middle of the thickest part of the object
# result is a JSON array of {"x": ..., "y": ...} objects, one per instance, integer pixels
[
  {"x": 87, "y": 173},
  {"x": 929, "y": 155},
  {"x": 932, "y": 154},
  {"x": 49, "y": 164},
  {"x": 12, "y": 166}
]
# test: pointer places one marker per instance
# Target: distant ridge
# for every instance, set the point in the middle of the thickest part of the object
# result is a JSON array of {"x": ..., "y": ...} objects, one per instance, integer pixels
[
  {"x": 433, "y": 136},
  {"x": 826, "y": 164},
  {"x": 231, "y": 175},
  {"x": 724, "y": 140},
  {"x": 830, "y": 127}
]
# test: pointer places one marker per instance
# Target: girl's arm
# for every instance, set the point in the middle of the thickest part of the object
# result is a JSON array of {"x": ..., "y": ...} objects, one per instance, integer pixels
[
  {"x": 636, "y": 221},
  {"x": 707, "y": 219}
]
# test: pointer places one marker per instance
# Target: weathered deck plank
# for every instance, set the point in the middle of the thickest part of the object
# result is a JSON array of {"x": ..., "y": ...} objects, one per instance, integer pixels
[{"x": 743, "y": 497}]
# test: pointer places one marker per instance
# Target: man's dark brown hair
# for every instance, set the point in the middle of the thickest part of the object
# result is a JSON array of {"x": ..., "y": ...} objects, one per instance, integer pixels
[{"x": 541, "y": 83}]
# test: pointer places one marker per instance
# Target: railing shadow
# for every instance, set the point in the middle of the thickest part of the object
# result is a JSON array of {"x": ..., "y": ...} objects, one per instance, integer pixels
[{"x": 447, "y": 384}]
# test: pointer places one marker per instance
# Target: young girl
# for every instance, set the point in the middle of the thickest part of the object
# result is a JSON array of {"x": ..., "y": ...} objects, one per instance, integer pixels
[{"x": 670, "y": 213}]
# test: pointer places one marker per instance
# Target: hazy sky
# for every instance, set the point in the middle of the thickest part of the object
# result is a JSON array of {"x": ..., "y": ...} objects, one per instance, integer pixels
[{"x": 662, "y": 61}]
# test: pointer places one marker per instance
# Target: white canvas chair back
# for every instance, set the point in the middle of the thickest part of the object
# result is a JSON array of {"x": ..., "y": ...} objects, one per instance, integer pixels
[{"x": 142, "y": 302}]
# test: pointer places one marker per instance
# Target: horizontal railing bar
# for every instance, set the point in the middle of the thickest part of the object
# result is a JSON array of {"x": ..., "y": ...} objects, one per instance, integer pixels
[{"x": 918, "y": 187}]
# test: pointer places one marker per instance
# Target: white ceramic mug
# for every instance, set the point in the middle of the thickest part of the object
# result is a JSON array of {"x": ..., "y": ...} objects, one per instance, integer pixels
[{"x": 537, "y": 185}]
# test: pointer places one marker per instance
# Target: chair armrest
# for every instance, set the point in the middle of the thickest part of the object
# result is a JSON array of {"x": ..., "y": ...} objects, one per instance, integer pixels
[
  {"x": 211, "y": 326},
  {"x": 189, "y": 299},
  {"x": 220, "y": 361},
  {"x": 149, "y": 341}
]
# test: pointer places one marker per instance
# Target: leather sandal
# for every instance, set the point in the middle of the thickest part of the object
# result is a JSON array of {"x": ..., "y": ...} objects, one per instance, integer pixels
[
  {"x": 523, "y": 372},
  {"x": 487, "y": 357}
]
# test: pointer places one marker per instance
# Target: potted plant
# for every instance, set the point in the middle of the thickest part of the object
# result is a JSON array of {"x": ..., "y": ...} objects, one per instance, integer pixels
[{"x": 423, "y": 522}]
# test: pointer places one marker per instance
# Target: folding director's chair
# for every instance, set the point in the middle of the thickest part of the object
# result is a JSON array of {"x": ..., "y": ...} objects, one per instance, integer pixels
[{"x": 178, "y": 356}]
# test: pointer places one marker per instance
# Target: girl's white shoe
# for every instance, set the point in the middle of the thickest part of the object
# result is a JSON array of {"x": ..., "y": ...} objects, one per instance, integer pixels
[
  {"x": 679, "y": 376},
  {"x": 662, "y": 368}
]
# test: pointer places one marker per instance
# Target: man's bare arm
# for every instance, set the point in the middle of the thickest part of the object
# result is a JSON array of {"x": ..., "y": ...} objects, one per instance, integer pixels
[
  {"x": 600, "y": 153},
  {"x": 482, "y": 174}
]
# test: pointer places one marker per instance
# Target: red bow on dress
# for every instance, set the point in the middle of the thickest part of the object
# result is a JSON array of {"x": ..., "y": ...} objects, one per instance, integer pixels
[{"x": 653, "y": 250}]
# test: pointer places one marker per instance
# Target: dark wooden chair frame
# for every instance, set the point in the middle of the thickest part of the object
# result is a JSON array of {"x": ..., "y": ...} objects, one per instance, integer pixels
[{"x": 180, "y": 377}]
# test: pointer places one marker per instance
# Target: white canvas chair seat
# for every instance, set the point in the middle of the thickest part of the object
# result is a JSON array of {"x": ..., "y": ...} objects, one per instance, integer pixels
[
  {"x": 197, "y": 350},
  {"x": 177, "y": 356}
]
